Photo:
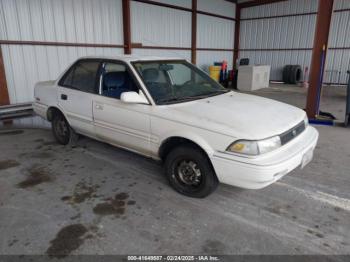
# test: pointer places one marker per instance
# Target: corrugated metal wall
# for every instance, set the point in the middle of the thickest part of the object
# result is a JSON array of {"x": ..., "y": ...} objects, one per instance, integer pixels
[
  {"x": 28, "y": 122},
  {"x": 219, "y": 7},
  {"x": 261, "y": 39},
  {"x": 214, "y": 32},
  {"x": 76, "y": 21},
  {"x": 25, "y": 65},
  {"x": 73, "y": 21},
  {"x": 100, "y": 22},
  {"x": 164, "y": 53},
  {"x": 281, "y": 8},
  {"x": 263, "y": 35},
  {"x": 338, "y": 58},
  {"x": 183, "y": 3},
  {"x": 160, "y": 26},
  {"x": 278, "y": 59},
  {"x": 206, "y": 58}
]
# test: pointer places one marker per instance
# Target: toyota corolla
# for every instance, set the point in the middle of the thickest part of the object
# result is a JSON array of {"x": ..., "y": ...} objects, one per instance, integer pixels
[{"x": 170, "y": 110}]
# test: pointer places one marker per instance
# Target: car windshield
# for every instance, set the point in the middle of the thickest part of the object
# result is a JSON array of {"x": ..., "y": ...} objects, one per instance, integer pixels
[{"x": 171, "y": 82}]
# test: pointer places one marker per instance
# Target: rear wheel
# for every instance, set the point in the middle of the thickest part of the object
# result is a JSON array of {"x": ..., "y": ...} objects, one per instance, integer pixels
[
  {"x": 62, "y": 131},
  {"x": 190, "y": 173}
]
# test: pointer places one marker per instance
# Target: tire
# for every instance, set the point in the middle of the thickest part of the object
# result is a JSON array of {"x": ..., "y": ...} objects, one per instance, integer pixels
[
  {"x": 62, "y": 131},
  {"x": 286, "y": 73},
  {"x": 295, "y": 74},
  {"x": 189, "y": 172}
]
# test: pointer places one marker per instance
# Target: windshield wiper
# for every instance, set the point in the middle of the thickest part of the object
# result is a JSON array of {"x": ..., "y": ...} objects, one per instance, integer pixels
[
  {"x": 223, "y": 91},
  {"x": 218, "y": 92},
  {"x": 189, "y": 98},
  {"x": 174, "y": 99}
]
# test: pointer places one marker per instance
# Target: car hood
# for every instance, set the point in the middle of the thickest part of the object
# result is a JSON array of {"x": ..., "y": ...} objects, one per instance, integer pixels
[{"x": 238, "y": 115}]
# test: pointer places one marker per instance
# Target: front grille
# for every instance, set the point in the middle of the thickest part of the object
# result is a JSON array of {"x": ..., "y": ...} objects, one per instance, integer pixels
[{"x": 292, "y": 133}]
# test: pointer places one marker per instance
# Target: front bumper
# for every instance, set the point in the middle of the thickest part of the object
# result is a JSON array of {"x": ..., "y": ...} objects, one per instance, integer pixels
[{"x": 261, "y": 171}]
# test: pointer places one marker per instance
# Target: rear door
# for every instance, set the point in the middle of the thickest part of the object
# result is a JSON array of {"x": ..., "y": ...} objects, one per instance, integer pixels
[
  {"x": 119, "y": 123},
  {"x": 75, "y": 94}
]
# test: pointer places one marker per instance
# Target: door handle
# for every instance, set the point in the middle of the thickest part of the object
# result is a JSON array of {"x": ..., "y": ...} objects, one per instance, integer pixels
[
  {"x": 64, "y": 97},
  {"x": 99, "y": 107}
]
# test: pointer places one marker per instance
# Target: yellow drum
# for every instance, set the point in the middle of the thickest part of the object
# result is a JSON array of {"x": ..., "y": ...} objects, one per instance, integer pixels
[{"x": 214, "y": 72}]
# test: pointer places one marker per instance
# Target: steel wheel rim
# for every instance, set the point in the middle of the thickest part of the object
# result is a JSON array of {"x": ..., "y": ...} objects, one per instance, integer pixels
[
  {"x": 61, "y": 128},
  {"x": 188, "y": 173}
]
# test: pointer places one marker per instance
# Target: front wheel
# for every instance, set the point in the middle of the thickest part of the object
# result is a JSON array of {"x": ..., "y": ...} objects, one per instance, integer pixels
[
  {"x": 190, "y": 173},
  {"x": 62, "y": 131}
]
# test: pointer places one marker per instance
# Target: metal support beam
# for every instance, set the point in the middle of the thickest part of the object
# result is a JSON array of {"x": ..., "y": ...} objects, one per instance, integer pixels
[
  {"x": 126, "y": 27},
  {"x": 319, "y": 53},
  {"x": 194, "y": 33},
  {"x": 4, "y": 95},
  {"x": 258, "y": 2},
  {"x": 237, "y": 33}
]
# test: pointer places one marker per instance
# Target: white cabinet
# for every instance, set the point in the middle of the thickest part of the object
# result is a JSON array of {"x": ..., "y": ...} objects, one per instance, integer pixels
[{"x": 253, "y": 77}]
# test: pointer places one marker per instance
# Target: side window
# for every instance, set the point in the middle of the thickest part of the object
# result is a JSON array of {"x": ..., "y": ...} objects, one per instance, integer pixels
[
  {"x": 82, "y": 76},
  {"x": 116, "y": 80}
]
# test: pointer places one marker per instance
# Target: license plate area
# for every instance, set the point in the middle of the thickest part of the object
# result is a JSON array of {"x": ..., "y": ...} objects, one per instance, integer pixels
[{"x": 307, "y": 157}]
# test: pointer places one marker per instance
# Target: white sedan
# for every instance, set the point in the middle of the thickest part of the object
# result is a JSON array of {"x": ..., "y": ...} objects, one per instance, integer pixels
[{"x": 170, "y": 110}]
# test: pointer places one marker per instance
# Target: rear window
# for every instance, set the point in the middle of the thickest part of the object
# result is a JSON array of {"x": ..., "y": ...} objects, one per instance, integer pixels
[{"x": 82, "y": 76}]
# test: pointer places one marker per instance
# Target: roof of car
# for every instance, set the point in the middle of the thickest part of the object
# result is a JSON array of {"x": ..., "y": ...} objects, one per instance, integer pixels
[{"x": 133, "y": 58}]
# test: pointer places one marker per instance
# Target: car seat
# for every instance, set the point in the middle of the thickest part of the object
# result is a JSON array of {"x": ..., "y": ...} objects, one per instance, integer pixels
[
  {"x": 151, "y": 77},
  {"x": 114, "y": 84}
]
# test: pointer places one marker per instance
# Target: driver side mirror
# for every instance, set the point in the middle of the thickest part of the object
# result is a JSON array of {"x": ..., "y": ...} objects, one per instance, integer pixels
[{"x": 133, "y": 98}]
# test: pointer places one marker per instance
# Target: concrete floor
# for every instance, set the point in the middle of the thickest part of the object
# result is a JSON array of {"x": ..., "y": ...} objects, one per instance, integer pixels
[
  {"x": 333, "y": 98},
  {"x": 58, "y": 200}
]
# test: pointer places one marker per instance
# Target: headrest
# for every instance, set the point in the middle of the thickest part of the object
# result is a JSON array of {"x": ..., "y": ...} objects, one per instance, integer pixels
[
  {"x": 114, "y": 79},
  {"x": 150, "y": 75}
]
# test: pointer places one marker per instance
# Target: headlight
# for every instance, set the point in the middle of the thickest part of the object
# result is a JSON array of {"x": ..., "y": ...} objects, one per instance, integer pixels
[
  {"x": 254, "y": 148},
  {"x": 269, "y": 144},
  {"x": 244, "y": 147}
]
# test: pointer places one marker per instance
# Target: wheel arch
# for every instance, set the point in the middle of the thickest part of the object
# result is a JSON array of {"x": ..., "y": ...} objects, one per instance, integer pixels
[
  {"x": 52, "y": 110},
  {"x": 174, "y": 141}
]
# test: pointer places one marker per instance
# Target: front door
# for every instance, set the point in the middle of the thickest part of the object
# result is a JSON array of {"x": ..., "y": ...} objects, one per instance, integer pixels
[
  {"x": 75, "y": 95},
  {"x": 125, "y": 125}
]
